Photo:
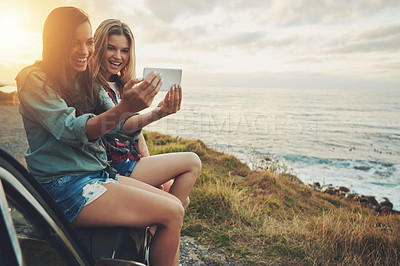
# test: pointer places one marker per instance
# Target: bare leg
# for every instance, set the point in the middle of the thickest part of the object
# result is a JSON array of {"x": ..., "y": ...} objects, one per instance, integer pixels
[
  {"x": 125, "y": 180},
  {"x": 128, "y": 204},
  {"x": 156, "y": 170}
]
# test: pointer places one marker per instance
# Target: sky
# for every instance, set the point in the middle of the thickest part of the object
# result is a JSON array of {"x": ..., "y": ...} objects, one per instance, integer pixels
[{"x": 230, "y": 43}]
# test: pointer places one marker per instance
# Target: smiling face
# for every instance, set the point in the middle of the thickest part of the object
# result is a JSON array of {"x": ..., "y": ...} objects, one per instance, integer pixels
[
  {"x": 116, "y": 55},
  {"x": 82, "y": 48}
]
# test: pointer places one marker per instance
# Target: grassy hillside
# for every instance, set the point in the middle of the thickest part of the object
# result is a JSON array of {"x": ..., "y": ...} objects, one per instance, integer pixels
[{"x": 264, "y": 218}]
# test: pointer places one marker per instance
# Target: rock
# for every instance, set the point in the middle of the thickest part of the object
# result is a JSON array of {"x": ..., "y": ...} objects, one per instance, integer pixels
[
  {"x": 370, "y": 200},
  {"x": 373, "y": 201},
  {"x": 363, "y": 199},
  {"x": 350, "y": 195},
  {"x": 362, "y": 168},
  {"x": 387, "y": 203},
  {"x": 316, "y": 186},
  {"x": 343, "y": 189},
  {"x": 330, "y": 190},
  {"x": 267, "y": 159},
  {"x": 356, "y": 197},
  {"x": 385, "y": 210}
]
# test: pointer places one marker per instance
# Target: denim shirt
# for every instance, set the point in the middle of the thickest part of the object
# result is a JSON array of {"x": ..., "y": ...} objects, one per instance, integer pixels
[{"x": 58, "y": 144}]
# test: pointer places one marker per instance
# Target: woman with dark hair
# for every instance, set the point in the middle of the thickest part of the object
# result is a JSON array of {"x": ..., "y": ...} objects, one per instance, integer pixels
[
  {"x": 113, "y": 65},
  {"x": 65, "y": 116}
]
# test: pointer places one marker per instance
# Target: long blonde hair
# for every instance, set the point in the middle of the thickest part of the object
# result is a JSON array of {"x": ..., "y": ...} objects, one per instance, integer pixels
[{"x": 103, "y": 32}]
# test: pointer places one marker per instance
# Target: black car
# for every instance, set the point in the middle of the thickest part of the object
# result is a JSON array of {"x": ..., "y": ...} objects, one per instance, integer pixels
[{"x": 33, "y": 231}]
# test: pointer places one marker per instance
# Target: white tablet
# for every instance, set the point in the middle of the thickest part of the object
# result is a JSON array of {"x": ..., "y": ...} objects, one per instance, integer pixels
[{"x": 170, "y": 76}]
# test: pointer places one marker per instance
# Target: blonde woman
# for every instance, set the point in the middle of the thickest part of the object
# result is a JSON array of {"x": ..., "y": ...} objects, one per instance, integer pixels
[{"x": 113, "y": 64}]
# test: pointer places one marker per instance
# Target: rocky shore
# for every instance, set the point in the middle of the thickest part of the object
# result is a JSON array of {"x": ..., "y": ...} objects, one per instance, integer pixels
[{"x": 384, "y": 207}]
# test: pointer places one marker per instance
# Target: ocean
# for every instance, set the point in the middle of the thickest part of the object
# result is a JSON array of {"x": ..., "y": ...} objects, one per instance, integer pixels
[{"x": 333, "y": 136}]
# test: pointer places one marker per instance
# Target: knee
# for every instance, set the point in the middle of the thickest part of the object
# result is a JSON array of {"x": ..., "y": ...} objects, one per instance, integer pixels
[
  {"x": 195, "y": 162},
  {"x": 176, "y": 214}
]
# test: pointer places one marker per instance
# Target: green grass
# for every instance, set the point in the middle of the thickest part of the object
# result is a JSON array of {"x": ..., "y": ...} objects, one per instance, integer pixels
[{"x": 270, "y": 217}]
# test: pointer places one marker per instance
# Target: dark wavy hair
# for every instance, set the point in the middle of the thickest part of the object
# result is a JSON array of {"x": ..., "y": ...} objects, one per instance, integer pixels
[{"x": 59, "y": 33}]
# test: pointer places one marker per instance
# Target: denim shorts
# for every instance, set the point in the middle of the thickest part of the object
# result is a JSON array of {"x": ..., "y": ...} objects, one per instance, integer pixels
[
  {"x": 72, "y": 193},
  {"x": 125, "y": 168}
]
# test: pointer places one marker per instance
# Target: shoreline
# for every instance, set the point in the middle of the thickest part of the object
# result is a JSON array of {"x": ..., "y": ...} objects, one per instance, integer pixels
[
  {"x": 12, "y": 132},
  {"x": 326, "y": 187}
]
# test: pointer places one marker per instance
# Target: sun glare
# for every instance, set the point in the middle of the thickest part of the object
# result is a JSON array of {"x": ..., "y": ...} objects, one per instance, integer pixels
[
  {"x": 20, "y": 43},
  {"x": 11, "y": 33},
  {"x": 15, "y": 41}
]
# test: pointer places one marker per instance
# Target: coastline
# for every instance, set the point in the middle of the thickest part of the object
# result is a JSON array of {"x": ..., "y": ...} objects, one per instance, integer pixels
[
  {"x": 313, "y": 155},
  {"x": 238, "y": 216},
  {"x": 13, "y": 140}
]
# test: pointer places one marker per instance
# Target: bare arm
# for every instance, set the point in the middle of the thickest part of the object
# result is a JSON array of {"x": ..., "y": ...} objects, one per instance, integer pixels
[
  {"x": 170, "y": 105},
  {"x": 143, "y": 150},
  {"x": 134, "y": 99}
]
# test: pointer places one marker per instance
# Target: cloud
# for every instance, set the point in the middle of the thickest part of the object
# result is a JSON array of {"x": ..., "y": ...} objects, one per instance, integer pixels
[
  {"x": 167, "y": 60},
  {"x": 278, "y": 36},
  {"x": 244, "y": 38},
  {"x": 379, "y": 38},
  {"x": 287, "y": 13},
  {"x": 378, "y": 32},
  {"x": 302, "y": 11},
  {"x": 284, "y": 13},
  {"x": 258, "y": 24},
  {"x": 306, "y": 60},
  {"x": 168, "y": 11},
  {"x": 364, "y": 46}
]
